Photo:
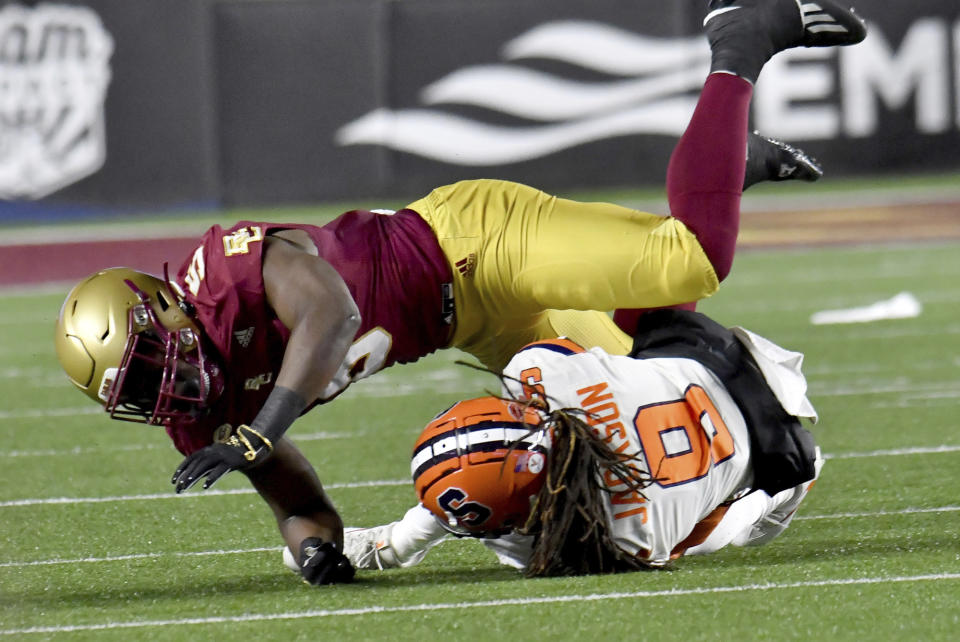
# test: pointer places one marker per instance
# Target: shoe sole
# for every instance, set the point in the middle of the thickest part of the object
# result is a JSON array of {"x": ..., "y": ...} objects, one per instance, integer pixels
[{"x": 825, "y": 24}]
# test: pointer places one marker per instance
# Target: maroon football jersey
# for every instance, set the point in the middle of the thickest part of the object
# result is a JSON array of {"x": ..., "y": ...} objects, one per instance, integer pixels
[{"x": 392, "y": 265}]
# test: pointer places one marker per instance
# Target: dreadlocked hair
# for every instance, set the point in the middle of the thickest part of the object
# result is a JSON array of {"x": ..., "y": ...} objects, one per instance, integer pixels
[{"x": 567, "y": 519}]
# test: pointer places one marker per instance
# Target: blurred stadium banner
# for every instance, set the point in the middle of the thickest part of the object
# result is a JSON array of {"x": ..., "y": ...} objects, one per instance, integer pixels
[{"x": 130, "y": 105}]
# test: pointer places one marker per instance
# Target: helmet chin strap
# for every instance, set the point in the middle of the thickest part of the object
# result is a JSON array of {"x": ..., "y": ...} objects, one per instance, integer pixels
[{"x": 185, "y": 306}]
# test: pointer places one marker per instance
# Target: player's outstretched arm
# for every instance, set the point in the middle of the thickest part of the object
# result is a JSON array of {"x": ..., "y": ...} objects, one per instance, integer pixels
[
  {"x": 313, "y": 302},
  {"x": 305, "y": 515},
  {"x": 398, "y": 544},
  {"x": 311, "y": 299}
]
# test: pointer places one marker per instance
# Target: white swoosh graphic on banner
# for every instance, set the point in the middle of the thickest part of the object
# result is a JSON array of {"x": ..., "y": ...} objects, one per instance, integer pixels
[
  {"x": 577, "y": 112},
  {"x": 460, "y": 141},
  {"x": 539, "y": 96},
  {"x": 600, "y": 47}
]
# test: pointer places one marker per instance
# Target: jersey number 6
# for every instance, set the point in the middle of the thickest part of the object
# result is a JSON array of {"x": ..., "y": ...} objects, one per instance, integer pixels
[{"x": 682, "y": 439}]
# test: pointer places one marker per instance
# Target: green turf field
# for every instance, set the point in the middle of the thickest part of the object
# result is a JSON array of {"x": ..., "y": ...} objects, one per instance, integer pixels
[{"x": 96, "y": 545}]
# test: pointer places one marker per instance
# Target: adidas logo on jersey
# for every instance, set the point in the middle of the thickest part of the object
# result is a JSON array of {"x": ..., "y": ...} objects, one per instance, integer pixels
[
  {"x": 467, "y": 265},
  {"x": 244, "y": 337}
]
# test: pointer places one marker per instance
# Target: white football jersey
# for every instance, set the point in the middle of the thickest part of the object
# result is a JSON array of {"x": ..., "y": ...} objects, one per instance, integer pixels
[
  {"x": 686, "y": 431},
  {"x": 672, "y": 413}
]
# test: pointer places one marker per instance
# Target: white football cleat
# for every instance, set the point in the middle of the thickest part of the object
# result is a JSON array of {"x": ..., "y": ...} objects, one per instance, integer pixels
[
  {"x": 369, "y": 548},
  {"x": 783, "y": 506},
  {"x": 366, "y": 548}
]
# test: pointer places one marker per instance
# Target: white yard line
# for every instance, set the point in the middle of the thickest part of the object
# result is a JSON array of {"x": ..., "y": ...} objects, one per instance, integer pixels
[
  {"x": 35, "y": 413},
  {"x": 388, "y": 482},
  {"x": 444, "y": 378},
  {"x": 868, "y": 331},
  {"x": 190, "y": 495},
  {"x": 99, "y": 450},
  {"x": 950, "y": 388},
  {"x": 277, "y": 549},
  {"x": 141, "y": 556},
  {"x": 882, "y": 513},
  {"x": 446, "y": 606},
  {"x": 895, "y": 452},
  {"x": 451, "y": 379}
]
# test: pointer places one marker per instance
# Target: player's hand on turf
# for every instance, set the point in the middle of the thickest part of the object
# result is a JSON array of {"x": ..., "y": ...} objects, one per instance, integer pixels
[
  {"x": 244, "y": 449},
  {"x": 322, "y": 563}
]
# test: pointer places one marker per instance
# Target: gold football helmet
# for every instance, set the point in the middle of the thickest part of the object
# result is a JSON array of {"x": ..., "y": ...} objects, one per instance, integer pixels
[{"x": 125, "y": 339}]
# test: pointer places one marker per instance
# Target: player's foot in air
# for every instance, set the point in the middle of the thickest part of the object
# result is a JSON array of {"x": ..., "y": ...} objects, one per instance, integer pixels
[
  {"x": 769, "y": 159},
  {"x": 745, "y": 34}
]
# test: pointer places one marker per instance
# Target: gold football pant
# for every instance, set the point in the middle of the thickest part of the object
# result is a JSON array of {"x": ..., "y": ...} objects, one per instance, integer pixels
[{"x": 529, "y": 266}]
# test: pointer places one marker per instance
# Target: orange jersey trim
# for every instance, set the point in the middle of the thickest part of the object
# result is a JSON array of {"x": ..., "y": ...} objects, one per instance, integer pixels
[
  {"x": 562, "y": 345},
  {"x": 701, "y": 531}
]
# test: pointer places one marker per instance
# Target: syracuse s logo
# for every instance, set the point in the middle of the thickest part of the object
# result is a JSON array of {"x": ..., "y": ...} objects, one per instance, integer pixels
[{"x": 54, "y": 64}]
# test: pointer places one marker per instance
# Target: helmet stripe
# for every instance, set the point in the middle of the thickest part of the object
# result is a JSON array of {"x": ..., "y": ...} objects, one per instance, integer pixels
[{"x": 486, "y": 436}]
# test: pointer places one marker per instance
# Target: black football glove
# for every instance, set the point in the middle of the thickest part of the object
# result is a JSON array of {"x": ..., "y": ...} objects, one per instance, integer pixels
[
  {"x": 322, "y": 563},
  {"x": 244, "y": 449}
]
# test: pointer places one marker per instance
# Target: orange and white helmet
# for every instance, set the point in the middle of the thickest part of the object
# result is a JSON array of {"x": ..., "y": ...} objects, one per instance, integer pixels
[{"x": 478, "y": 465}]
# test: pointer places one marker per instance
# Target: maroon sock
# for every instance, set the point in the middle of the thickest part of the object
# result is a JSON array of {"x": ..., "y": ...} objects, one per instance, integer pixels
[{"x": 705, "y": 176}]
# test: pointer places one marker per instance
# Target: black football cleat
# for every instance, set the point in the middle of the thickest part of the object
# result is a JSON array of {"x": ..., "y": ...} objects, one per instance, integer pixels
[
  {"x": 745, "y": 34},
  {"x": 769, "y": 159}
]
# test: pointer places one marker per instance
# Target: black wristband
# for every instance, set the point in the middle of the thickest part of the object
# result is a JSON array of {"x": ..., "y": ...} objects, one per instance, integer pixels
[{"x": 278, "y": 413}]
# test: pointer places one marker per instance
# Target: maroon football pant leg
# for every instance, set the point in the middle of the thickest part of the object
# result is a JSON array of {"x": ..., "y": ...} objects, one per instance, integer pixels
[{"x": 705, "y": 175}]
